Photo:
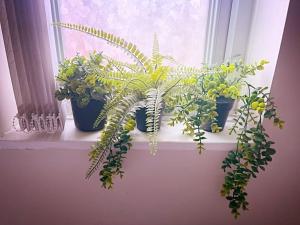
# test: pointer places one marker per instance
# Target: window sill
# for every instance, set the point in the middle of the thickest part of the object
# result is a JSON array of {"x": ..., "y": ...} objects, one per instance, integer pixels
[{"x": 170, "y": 138}]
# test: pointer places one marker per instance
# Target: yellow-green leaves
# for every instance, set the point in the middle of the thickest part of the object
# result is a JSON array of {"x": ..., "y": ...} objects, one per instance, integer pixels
[
  {"x": 254, "y": 105},
  {"x": 278, "y": 123},
  {"x": 259, "y": 105},
  {"x": 159, "y": 75},
  {"x": 91, "y": 80},
  {"x": 79, "y": 79},
  {"x": 261, "y": 64},
  {"x": 222, "y": 90},
  {"x": 229, "y": 68},
  {"x": 215, "y": 128},
  {"x": 227, "y": 79},
  {"x": 130, "y": 125}
]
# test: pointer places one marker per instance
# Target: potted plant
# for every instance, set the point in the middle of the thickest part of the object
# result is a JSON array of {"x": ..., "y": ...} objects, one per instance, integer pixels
[
  {"x": 79, "y": 83},
  {"x": 196, "y": 96},
  {"x": 254, "y": 150},
  {"x": 223, "y": 85},
  {"x": 141, "y": 92}
]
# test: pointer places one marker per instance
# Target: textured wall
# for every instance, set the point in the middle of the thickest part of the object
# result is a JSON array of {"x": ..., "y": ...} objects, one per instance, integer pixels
[{"x": 178, "y": 188}]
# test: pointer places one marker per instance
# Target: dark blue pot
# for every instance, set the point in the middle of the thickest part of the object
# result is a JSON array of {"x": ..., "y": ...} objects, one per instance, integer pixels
[
  {"x": 224, "y": 105},
  {"x": 85, "y": 117},
  {"x": 140, "y": 118}
]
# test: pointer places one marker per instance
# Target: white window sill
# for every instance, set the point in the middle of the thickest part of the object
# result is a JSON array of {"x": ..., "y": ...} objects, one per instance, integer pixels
[{"x": 170, "y": 138}]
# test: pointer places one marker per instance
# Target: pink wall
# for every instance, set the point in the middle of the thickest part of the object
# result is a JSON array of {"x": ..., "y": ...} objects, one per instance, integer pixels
[{"x": 176, "y": 188}]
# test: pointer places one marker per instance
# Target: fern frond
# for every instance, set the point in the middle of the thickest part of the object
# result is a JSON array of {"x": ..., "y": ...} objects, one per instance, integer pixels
[
  {"x": 154, "y": 104},
  {"x": 114, "y": 100},
  {"x": 157, "y": 58},
  {"x": 113, "y": 78},
  {"x": 171, "y": 86},
  {"x": 170, "y": 59},
  {"x": 130, "y": 48},
  {"x": 111, "y": 101},
  {"x": 185, "y": 71},
  {"x": 122, "y": 113},
  {"x": 123, "y": 66}
]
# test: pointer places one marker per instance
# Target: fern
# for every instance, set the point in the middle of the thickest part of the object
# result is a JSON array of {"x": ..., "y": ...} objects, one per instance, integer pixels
[
  {"x": 123, "y": 67},
  {"x": 185, "y": 71},
  {"x": 125, "y": 111},
  {"x": 128, "y": 47},
  {"x": 156, "y": 59},
  {"x": 154, "y": 104},
  {"x": 115, "y": 100}
]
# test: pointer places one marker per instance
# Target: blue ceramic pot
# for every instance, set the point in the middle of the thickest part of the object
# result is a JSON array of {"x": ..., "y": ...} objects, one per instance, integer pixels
[
  {"x": 140, "y": 118},
  {"x": 85, "y": 117},
  {"x": 224, "y": 105}
]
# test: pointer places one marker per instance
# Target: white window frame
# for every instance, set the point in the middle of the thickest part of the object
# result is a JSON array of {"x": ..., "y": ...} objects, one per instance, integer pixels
[{"x": 229, "y": 21}]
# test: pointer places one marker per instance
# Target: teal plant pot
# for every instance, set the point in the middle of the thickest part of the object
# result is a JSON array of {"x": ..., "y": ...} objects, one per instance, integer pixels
[
  {"x": 140, "y": 118},
  {"x": 224, "y": 105},
  {"x": 84, "y": 118}
]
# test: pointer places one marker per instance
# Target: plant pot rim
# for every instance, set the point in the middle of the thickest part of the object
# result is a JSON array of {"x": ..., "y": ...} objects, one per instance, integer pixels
[{"x": 223, "y": 99}]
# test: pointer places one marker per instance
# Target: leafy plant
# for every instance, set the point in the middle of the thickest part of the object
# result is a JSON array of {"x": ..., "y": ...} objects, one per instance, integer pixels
[
  {"x": 78, "y": 78},
  {"x": 191, "y": 94},
  {"x": 148, "y": 83},
  {"x": 254, "y": 148},
  {"x": 227, "y": 79},
  {"x": 198, "y": 106},
  {"x": 114, "y": 160}
]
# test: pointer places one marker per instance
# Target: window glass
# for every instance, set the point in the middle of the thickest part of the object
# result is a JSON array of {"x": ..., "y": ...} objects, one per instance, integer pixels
[{"x": 180, "y": 26}]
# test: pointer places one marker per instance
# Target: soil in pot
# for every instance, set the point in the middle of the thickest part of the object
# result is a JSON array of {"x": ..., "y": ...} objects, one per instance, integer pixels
[
  {"x": 224, "y": 105},
  {"x": 85, "y": 117},
  {"x": 140, "y": 118}
]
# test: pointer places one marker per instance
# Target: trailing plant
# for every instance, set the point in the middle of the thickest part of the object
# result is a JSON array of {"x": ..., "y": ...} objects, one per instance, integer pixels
[
  {"x": 254, "y": 149},
  {"x": 198, "y": 106},
  {"x": 114, "y": 160},
  {"x": 78, "y": 79},
  {"x": 148, "y": 83}
]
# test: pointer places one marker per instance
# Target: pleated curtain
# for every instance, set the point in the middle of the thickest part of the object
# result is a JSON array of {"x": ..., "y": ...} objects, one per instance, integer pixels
[{"x": 25, "y": 34}]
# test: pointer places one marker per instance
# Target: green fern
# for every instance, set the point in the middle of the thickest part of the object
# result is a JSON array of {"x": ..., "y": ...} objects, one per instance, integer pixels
[
  {"x": 123, "y": 67},
  {"x": 147, "y": 81},
  {"x": 186, "y": 71},
  {"x": 120, "y": 115},
  {"x": 114, "y": 101},
  {"x": 130, "y": 48},
  {"x": 157, "y": 58},
  {"x": 154, "y": 104}
]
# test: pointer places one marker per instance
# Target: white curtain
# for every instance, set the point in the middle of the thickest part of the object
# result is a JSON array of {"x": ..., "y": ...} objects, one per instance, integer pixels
[{"x": 27, "y": 46}]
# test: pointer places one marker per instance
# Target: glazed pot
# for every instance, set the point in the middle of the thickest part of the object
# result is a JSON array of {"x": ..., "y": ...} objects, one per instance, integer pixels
[
  {"x": 85, "y": 117},
  {"x": 140, "y": 118},
  {"x": 224, "y": 105}
]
